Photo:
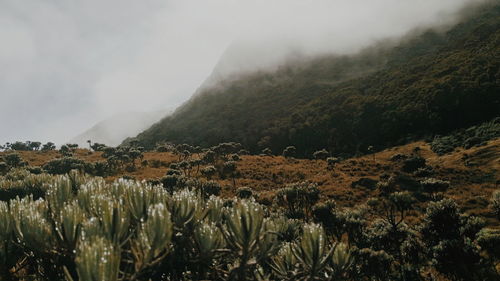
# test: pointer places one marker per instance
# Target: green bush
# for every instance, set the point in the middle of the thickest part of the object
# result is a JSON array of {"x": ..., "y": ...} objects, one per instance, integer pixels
[
  {"x": 244, "y": 192},
  {"x": 467, "y": 138},
  {"x": 298, "y": 199},
  {"x": 64, "y": 165},
  {"x": 432, "y": 185},
  {"x": 414, "y": 163},
  {"x": 13, "y": 160}
]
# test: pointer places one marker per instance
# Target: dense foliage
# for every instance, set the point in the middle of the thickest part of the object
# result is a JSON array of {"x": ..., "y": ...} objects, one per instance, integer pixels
[
  {"x": 430, "y": 83},
  {"x": 467, "y": 138},
  {"x": 79, "y": 227}
]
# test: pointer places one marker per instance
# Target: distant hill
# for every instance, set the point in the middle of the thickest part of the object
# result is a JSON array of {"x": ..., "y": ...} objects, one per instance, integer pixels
[
  {"x": 429, "y": 83},
  {"x": 114, "y": 130}
]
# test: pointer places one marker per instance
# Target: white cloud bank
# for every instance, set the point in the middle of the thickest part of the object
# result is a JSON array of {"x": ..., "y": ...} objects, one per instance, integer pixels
[{"x": 66, "y": 64}]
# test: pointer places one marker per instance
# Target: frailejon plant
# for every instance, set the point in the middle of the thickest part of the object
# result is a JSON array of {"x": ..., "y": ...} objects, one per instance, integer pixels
[
  {"x": 84, "y": 228},
  {"x": 153, "y": 238},
  {"x": 312, "y": 253},
  {"x": 5, "y": 231},
  {"x": 242, "y": 232},
  {"x": 97, "y": 259}
]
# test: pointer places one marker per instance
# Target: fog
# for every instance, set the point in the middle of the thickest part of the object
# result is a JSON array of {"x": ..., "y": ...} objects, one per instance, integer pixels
[{"x": 66, "y": 64}]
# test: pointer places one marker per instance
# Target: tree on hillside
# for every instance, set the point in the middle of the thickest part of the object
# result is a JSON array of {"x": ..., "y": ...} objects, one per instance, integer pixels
[
  {"x": 229, "y": 169},
  {"x": 48, "y": 146},
  {"x": 35, "y": 145},
  {"x": 21, "y": 146}
]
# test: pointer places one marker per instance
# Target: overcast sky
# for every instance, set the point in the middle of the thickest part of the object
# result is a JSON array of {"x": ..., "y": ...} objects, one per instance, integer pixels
[{"x": 67, "y": 64}]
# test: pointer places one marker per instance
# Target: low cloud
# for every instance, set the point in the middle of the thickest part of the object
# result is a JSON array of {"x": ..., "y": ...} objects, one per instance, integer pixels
[{"x": 66, "y": 65}]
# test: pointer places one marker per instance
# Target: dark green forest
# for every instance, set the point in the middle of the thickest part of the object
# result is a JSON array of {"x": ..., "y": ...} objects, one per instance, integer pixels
[{"x": 431, "y": 82}]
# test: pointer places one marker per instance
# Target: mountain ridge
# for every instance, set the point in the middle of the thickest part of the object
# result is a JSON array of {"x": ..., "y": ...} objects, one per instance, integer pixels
[
  {"x": 112, "y": 131},
  {"x": 430, "y": 83}
]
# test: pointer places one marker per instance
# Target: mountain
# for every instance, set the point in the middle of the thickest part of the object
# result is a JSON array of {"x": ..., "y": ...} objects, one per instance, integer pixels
[
  {"x": 114, "y": 130},
  {"x": 430, "y": 82}
]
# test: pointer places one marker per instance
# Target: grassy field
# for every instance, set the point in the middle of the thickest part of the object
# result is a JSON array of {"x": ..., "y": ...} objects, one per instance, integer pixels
[{"x": 473, "y": 174}]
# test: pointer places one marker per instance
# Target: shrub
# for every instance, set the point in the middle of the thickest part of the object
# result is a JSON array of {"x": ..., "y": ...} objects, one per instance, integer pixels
[
  {"x": 209, "y": 171},
  {"x": 488, "y": 240},
  {"x": 423, "y": 172},
  {"x": 243, "y": 152},
  {"x": 321, "y": 154},
  {"x": 398, "y": 157},
  {"x": 13, "y": 160},
  {"x": 161, "y": 148},
  {"x": 324, "y": 213},
  {"x": 210, "y": 188},
  {"x": 298, "y": 198},
  {"x": 432, "y": 185},
  {"x": 3, "y": 167},
  {"x": 331, "y": 161},
  {"x": 155, "y": 163},
  {"x": 235, "y": 157},
  {"x": 289, "y": 151},
  {"x": 48, "y": 146},
  {"x": 20, "y": 183},
  {"x": 495, "y": 203},
  {"x": 365, "y": 182},
  {"x": 244, "y": 192},
  {"x": 267, "y": 151},
  {"x": 413, "y": 163},
  {"x": 36, "y": 170},
  {"x": 98, "y": 146},
  {"x": 172, "y": 182},
  {"x": 20, "y": 146},
  {"x": 64, "y": 165},
  {"x": 473, "y": 136},
  {"x": 447, "y": 234},
  {"x": 229, "y": 169},
  {"x": 374, "y": 264}
]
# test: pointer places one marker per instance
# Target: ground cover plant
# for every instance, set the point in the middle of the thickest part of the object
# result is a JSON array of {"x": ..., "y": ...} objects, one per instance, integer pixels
[{"x": 81, "y": 227}]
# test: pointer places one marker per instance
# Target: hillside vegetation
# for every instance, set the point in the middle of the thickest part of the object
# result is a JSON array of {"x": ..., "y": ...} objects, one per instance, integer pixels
[
  {"x": 429, "y": 83},
  {"x": 405, "y": 213}
]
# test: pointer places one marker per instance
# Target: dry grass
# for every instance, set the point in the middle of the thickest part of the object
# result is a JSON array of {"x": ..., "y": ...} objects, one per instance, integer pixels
[{"x": 471, "y": 184}]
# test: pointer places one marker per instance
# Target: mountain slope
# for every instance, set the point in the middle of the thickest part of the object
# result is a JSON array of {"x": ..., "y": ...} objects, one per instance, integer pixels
[
  {"x": 114, "y": 130},
  {"x": 430, "y": 83}
]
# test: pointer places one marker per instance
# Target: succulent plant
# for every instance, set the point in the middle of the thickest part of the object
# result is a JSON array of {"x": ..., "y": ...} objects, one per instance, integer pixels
[
  {"x": 69, "y": 224},
  {"x": 214, "y": 209},
  {"x": 312, "y": 252},
  {"x": 31, "y": 225},
  {"x": 153, "y": 238},
  {"x": 284, "y": 264},
  {"x": 138, "y": 198},
  {"x": 243, "y": 232},
  {"x": 5, "y": 230},
  {"x": 113, "y": 217},
  {"x": 60, "y": 192},
  {"x": 97, "y": 259},
  {"x": 5, "y": 222},
  {"x": 208, "y": 239},
  {"x": 341, "y": 262},
  {"x": 183, "y": 205},
  {"x": 244, "y": 225}
]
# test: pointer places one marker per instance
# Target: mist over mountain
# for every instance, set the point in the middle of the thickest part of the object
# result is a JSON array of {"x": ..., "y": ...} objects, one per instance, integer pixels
[
  {"x": 431, "y": 81},
  {"x": 71, "y": 64},
  {"x": 114, "y": 130}
]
